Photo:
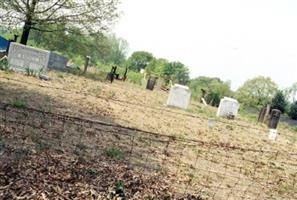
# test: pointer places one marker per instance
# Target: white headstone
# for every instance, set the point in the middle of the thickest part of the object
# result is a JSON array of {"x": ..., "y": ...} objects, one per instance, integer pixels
[
  {"x": 179, "y": 96},
  {"x": 21, "y": 57},
  {"x": 228, "y": 107},
  {"x": 272, "y": 134}
]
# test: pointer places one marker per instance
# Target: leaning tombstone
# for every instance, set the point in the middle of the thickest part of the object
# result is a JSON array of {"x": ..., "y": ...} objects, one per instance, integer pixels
[
  {"x": 274, "y": 118},
  {"x": 179, "y": 96},
  {"x": 273, "y": 123},
  {"x": 228, "y": 108},
  {"x": 264, "y": 114},
  {"x": 23, "y": 58},
  {"x": 151, "y": 83}
]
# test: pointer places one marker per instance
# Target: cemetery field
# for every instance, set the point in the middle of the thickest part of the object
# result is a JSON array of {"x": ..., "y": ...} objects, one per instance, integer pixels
[{"x": 115, "y": 131}]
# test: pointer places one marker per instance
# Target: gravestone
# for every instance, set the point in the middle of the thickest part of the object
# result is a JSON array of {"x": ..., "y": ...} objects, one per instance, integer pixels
[
  {"x": 21, "y": 57},
  {"x": 57, "y": 62},
  {"x": 228, "y": 108},
  {"x": 274, "y": 118},
  {"x": 151, "y": 83},
  {"x": 179, "y": 96}
]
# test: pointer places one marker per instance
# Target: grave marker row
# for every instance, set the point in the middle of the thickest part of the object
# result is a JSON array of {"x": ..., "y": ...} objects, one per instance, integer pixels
[{"x": 21, "y": 57}]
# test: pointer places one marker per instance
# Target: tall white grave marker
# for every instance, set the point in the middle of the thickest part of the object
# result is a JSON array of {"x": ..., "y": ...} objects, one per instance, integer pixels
[
  {"x": 228, "y": 107},
  {"x": 179, "y": 96}
]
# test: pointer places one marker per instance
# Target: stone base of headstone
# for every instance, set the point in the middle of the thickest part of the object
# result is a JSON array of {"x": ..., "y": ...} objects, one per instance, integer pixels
[
  {"x": 272, "y": 134},
  {"x": 211, "y": 123}
]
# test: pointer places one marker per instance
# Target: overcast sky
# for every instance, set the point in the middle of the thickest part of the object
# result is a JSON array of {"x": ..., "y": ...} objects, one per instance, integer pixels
[{"x": 231, "y": 39}]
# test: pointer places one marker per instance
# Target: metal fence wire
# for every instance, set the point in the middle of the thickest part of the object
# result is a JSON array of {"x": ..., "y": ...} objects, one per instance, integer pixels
[{"x": 212, "y": 170}]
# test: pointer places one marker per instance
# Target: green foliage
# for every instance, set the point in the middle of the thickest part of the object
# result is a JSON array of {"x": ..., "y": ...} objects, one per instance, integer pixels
[
  {"x": 30, "y": 72},
  {"x": 279, "y": 102},
  {"x": 214, "y": 87},
  {"x": 114, "y": 153},
  {"x": 135, "y": 77},
  {"x": 177, "y": 72},
  {"x": 4, "y": 65},
  {"x": 90, "y": 16},
  {"x": 156, "y": 66},
  {"x": 293, "y": 110},
  {"x": 103, "y": 48},
  {"x": 257, "y": 91},
  {"x": 139, "y": 60},
  {"x": 18, "y": 103}
]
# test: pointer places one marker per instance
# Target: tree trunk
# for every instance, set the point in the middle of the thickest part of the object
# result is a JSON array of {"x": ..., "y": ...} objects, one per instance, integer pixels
[
  {"x": 28, "y": 22},
  {"x": 26, "y": 31}
]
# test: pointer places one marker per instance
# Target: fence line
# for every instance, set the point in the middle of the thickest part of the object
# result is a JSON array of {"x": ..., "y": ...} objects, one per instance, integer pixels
[{"x": 216, "y": 171}]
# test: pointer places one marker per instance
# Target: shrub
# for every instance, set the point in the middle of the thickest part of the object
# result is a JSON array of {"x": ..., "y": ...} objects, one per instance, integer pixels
[
  {"x": 293, "y": 111},
  {"x": 135, "y": 77},
  {"x": 4, "y": 64},
  {"x": 279, "y": 102}
]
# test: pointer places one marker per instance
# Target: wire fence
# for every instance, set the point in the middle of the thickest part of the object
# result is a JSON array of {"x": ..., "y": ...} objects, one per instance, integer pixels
[{"x": 212, "y": 170}]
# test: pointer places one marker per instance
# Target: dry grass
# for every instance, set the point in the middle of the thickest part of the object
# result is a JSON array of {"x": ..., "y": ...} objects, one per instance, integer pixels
[{"x": 217, "y": 170}]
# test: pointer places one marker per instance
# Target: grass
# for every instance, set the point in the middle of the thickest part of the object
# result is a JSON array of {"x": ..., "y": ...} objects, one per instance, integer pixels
[
  {"x": 180, "y": 127},
  {"x": 294, "y": 129},
  {"x": 18, "y": 103},
  {"x": 114, "y": 153}
]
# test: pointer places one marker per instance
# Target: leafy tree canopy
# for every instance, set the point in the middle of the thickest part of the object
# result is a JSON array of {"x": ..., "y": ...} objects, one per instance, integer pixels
[
  {"x": 41, "y": 15},
  {"x": 214, "y": 87},
  {"x": 279, "y": 101},
  {"x": 258, "y": 91},
  {"x": 139, "y": 60},
  {"x": 177, "y": 72}
]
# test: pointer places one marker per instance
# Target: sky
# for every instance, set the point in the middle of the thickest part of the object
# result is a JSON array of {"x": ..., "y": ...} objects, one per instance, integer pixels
[{"x": 234, "y": 40}]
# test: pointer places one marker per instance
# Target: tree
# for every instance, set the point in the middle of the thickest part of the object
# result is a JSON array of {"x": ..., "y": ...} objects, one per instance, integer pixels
[
  {"x": 118, "y": 50},
  {"x": 279, "y": 102},
  {"x": 257, "y": 91},
  {"x": 292, "y": 91},
  {"x": 156, "y": 66},
  {"x": 214, "y": 87},
  {"x": 293, "y": 111},
  {"x": 177, "y": 72},
  {"x": 139, "y": 60},
  {"x": 89, "y": 15}
]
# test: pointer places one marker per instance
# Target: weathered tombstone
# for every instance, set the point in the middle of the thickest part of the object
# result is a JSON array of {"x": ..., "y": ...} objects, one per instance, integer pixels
[
  {"x": 228, "y": 108},
  {"x": 57, "y": 62},
  {"x": 151, "y": 83},
  {"x": 274, "y": 118},
  {"x": 264, "y": 113},
  {"x": 87, "y": 60},
  {"x": 179, "y": 96},
  {"x": 21, "y": 58}
]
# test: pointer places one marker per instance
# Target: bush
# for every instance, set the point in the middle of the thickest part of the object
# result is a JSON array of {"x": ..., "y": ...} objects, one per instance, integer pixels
[
  {"x": 279, "y": 102},
  {"x": 135, "y": 77},
  {"x": 293, "y": 111},
  {"x": 4, "y": 64}
]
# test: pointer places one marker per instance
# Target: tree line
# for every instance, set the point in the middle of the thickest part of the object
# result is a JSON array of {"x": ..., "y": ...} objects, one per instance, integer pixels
[{"x": 80, "y": 28}]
